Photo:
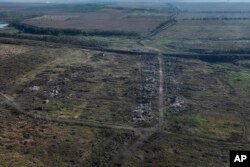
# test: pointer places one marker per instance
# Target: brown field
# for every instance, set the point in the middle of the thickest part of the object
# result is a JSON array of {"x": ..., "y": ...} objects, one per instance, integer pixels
[
  {"x": 10, "y": 50},
  {"x": 109, "y": 20},
  {"x": 144, "y": 5}
]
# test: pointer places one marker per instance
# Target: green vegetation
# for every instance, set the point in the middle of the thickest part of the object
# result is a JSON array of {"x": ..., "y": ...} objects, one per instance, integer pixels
[
  {"x": 240, "y": 80},
  {"x": 182, "y": 151},
  {"x": 53, "y": 31},
  {"x": 15, "y": 17},
  {"x": 75, "y": 40},
  {"x": 174, "y": 94},
  {"x": 13, "y": 67}
]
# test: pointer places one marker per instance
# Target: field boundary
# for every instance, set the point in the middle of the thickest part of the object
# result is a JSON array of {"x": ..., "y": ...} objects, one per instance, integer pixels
[{"x": 215, "y": 57}]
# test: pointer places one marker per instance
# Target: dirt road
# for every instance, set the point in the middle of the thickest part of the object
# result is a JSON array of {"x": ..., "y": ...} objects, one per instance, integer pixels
[
  {"x": 146, "y": 133},
  {"x": 161, "y": 94},
  {"x": 18, "y": 109}
]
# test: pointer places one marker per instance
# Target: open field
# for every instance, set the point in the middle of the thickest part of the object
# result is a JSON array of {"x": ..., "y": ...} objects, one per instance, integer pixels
[
  {"x": 76, "y": 84},
  {"x": 213, "y": 7},
  {"x": 90, "y": 17},
  {"x": 109, "y": 20},
  {"x": 223, "y": 30},
  {"x": 175, "y": 93},
  {"x": 200, "y": 31}
]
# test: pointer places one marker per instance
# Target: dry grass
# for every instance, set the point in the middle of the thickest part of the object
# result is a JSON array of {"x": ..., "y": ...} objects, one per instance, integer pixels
[
  {"x": 11, "y": 50},
  {"x": 108, "y": 20}
]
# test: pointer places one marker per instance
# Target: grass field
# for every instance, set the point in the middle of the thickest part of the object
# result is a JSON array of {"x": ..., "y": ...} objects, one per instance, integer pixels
[
  {"x": 25, "y": 142},
  {"x": 209, "y": 35},
  {"x": 182, "y": 151},
  {"x": 210, "y": 105}
]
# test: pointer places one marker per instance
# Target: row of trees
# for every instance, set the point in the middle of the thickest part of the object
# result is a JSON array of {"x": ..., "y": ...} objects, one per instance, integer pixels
[
  {"x": 189, "y": 11},
  {"x": 59, "y": 39},
  {"x": 217, "y": 18},
  {"x": 26, "y": 28}
]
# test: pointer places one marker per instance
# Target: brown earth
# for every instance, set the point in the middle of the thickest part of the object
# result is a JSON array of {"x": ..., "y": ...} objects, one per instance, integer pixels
[
  {"x": 108, "y": 20},
  {"x": 10, "y": 50}
]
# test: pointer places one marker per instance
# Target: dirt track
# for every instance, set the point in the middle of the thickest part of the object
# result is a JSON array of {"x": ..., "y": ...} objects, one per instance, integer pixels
[
  {"x": 161, "y": 94},
  {"x": 19, "y": 110},
  {"x": 145, "y": 135},
  {"x": 172, "y": 20},
  {"x": 216, "y": 57}
]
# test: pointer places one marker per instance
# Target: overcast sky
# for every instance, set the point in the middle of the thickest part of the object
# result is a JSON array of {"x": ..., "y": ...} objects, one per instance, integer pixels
[{"x": 63, "y": 1}]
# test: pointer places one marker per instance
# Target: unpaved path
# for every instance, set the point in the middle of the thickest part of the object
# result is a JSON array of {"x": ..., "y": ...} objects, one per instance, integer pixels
[
  {"x": 127, "y": 153},
  {"x": 145, "y": 133},
  {"x": 138, "y": 131},
  {"x": 172, "y": 20},
  {"x": 17, "y": 109},
  {"x": 161, "y": 93}
]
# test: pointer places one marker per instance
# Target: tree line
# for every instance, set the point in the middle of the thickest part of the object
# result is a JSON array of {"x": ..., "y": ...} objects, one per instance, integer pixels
[
  {"x": 217, "y": 18},
  {"x": 26, "y": 28},
  {"x": 59, "y": 39}
]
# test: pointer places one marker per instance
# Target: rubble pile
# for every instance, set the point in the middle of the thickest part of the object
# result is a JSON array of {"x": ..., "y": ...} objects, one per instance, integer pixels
[
  {"x": 70, "y": 82},
  {"x": 34, "y": 88},
  {"x": 147, "y": 90},
  {"x": 54, "y": 92},
  {"x": 142, "y": 113},
  {"x": 174, "y": 85}
]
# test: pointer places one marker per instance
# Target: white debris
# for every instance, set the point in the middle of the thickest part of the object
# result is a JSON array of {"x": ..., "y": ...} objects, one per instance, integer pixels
[
  {"x": 34, "y": 88},
  {"x": 178, "y": 102},
  {"x": 142, "y": 113},
  {"x": 53, "y": 93},
  {"x": 46, "y": 101}
]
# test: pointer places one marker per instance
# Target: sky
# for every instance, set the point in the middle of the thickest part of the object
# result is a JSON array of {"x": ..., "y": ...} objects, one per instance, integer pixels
[{"x": 68, "y": 1}]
